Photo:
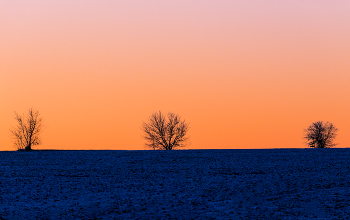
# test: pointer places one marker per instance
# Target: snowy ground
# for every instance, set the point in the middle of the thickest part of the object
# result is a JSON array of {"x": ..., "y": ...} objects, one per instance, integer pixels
[{"x": 188, "y": 184}]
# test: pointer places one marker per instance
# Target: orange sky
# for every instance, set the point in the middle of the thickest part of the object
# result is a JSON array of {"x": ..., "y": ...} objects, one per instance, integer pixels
[{"x": 245, "y": 74}]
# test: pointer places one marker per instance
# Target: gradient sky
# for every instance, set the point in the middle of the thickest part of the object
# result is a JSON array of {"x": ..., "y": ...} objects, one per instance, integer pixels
[{"x": 244, "y": 74}]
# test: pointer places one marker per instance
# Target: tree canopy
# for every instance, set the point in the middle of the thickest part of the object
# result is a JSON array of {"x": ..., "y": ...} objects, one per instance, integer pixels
[
  {"x": 165, "y": 132},
  {"x": 321, "y": 135},
  {"x": 26, "y": 133}
]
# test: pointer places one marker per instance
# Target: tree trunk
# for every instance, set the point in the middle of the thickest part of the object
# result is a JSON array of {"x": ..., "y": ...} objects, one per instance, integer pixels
[{"x": 28, "y": 147}]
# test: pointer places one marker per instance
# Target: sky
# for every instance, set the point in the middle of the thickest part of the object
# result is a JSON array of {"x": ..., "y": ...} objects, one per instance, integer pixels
[{"x": 244, "y": 74}]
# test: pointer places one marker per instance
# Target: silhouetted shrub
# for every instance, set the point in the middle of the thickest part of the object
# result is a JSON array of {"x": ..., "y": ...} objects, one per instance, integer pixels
[{"x": 321, "y": 135}]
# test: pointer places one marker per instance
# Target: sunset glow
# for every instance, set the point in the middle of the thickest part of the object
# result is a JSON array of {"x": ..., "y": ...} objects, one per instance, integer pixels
[{"x": 244, "y": 74}]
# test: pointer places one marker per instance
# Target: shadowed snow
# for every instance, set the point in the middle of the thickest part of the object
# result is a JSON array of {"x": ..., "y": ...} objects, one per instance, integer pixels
[{"x": 186, "y": 184}]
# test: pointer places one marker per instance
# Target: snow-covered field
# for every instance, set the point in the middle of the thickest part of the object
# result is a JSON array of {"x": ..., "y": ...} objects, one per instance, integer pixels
[{"x": 186, "y": 184}]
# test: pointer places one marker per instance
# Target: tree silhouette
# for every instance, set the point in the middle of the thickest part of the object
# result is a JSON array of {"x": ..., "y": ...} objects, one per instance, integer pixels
[
  {"x": 165, "y": 133},
  {"x": 321, "y": 135},
  {"x": 26, "y": 133}
]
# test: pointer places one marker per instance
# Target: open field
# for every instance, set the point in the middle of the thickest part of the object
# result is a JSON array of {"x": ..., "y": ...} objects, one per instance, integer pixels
[{"x": 188, "y": 184}]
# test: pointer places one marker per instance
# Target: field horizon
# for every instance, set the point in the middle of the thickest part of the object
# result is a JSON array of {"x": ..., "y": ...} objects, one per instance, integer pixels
[{"x": 204, "y": 149}]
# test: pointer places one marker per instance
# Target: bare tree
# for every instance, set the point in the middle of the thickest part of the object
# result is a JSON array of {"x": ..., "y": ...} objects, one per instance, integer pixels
[
  {"x": 321, "y": 135},
  {"x": 26, "y": 133},
  {"x": 165, "y": 133}
]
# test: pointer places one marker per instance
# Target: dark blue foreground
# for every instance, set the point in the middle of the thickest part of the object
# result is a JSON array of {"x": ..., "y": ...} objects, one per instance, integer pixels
[{"x": 187, "y": 184}]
